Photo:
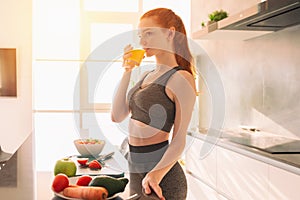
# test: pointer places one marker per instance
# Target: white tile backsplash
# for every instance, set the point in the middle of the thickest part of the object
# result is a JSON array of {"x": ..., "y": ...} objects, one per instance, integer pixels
[{"x": 261, "y": 79}]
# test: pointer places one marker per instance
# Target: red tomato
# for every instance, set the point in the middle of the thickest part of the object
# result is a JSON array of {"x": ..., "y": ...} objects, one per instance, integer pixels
[
  {"x": 60, "y": 182},
  {"x": 95, "y": 164},
  {"x": 84, "y": 180},
  {"x": 82, "y": 161}
]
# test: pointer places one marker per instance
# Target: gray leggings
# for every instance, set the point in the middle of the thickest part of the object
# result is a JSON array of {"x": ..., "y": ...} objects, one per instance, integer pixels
[{"x": 142, "y": 159}]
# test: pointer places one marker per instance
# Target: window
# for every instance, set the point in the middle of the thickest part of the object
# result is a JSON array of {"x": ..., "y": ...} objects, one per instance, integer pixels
[{"x": 112, "y": 6}]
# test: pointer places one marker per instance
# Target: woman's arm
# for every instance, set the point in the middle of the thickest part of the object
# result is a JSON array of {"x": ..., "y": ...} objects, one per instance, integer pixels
[
  {"x": 184, "y": 92},
  {"x": 120, "y": 108}
]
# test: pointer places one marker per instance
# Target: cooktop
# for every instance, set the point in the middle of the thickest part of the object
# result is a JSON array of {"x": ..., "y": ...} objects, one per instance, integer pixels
[
  {"x": 288, "y": 147},
  {"x": 270, "y": 144}
]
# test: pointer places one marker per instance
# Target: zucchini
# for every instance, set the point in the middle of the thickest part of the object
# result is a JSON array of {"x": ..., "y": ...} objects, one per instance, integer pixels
[{"x": 112, "y": 184}]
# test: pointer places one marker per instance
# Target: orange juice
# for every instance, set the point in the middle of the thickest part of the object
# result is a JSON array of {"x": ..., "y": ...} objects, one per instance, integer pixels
[{"x": 137, "y": 55}]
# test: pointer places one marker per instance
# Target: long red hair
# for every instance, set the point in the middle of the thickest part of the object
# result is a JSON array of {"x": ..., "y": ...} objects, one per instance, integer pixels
[{"x": 167, "y": 18}]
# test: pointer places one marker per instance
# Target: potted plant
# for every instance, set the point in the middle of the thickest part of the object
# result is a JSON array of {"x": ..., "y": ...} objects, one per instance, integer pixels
[
  {"x": 214, "y": 17},
  {"x": 217, "y": 15}
]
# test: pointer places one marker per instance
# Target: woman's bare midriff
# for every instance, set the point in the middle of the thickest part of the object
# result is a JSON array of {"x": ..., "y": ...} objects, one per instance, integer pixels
[{"x": 141, "y": 134}]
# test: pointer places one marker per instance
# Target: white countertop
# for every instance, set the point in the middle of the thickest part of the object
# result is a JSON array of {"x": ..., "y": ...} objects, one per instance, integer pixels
[{"x": 289, "y": 162}]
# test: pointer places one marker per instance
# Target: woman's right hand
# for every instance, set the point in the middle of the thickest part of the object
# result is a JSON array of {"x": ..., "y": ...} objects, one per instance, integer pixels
[{"x": 127, "y": 63}]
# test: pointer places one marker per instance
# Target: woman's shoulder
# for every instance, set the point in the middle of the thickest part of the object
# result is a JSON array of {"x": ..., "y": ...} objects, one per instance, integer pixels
[
  {"x": 186, "y": 75},
  {"x": 182, "y": 78}
]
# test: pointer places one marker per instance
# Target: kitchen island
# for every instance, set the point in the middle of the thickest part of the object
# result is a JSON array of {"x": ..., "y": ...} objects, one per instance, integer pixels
[{"x": 115, "y": 165}]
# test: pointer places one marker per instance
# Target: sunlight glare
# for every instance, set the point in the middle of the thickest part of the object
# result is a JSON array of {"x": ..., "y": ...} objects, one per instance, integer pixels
[{"x": 111, "y": 6}]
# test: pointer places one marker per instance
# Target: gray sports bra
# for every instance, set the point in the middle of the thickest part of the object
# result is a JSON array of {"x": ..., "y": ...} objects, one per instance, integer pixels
[{"x": 151, "y": 105}]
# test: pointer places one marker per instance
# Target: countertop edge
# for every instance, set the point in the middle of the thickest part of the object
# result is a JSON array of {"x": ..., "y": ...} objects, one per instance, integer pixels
[{"x": 272, "y": 159}]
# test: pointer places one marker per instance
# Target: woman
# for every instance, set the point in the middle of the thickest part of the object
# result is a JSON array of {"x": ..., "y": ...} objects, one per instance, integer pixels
[{"x": 160, "y": 105}]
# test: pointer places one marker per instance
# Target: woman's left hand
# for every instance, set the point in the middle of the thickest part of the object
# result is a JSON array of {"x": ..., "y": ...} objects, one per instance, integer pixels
[{"x": 150, "y": 182}]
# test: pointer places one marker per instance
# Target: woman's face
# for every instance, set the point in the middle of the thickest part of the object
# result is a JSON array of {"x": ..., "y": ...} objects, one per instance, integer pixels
[{"x": 153, "y": 38}]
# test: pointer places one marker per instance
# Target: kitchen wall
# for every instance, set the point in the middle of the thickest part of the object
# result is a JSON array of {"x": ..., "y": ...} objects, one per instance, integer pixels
[
  {"x": 261, "y": 76},
  {"x": 16, "y": 112}
]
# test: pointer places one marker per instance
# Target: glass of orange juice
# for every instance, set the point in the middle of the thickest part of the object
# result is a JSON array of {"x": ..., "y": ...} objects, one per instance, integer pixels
[{"x": 137, "y": 56}]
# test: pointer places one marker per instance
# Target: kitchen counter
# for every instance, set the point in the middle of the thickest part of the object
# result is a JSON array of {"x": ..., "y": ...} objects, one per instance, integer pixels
[
  {"x": 287, "y": 161},
  {"x": 44, "y": 178}
]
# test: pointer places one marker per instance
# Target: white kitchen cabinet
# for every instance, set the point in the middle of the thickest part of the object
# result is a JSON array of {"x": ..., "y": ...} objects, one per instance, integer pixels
[
  {"x": 241, "y": 177},
  {"x": 283, "y": 185},
  {"x": 234, "y": 173},
  {"x": 198, "y": 190},
  {"x": 201, "y": 166}
]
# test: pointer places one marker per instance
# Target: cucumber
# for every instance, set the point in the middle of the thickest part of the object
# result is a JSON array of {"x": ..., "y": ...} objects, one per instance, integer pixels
[{"x": 112, "y": 184}]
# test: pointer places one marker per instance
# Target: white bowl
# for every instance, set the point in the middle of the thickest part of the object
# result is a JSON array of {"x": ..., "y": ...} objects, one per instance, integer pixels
[{"x": 89, "y": 147}]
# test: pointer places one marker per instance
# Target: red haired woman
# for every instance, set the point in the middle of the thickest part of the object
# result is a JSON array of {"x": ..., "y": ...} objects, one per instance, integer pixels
[{"x": 160, "y": 105}]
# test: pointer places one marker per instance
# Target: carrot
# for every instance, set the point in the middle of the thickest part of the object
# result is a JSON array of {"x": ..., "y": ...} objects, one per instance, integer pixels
[{"x": 86, "y": 192}]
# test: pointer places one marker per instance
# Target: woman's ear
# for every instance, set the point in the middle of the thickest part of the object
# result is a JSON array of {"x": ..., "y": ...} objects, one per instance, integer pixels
[{"x": 171, "y": 33}]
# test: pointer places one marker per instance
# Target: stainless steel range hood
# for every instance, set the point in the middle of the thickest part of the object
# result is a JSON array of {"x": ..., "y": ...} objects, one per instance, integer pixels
[{"x": 270, "y": 15}]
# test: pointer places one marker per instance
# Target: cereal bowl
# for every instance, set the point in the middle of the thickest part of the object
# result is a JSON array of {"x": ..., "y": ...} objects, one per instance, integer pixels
[{"x": 89, "y": 147}]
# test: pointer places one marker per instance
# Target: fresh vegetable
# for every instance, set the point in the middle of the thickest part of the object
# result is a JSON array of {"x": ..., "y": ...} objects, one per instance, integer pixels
[
  {"x": 84, "y": 180},
  {"x": 113, "y": 185},
  {"x": 82, "y": 161},
  {"x": 86, "y": 192},
  {"x": 60, "y": 182},
  {"x": 65, "y": 166},
  {"x": 95, "y": 164}
]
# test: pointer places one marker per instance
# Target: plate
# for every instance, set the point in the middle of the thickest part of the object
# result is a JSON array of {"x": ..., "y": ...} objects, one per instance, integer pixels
[
  {"x": 72, "y": 181},
  {"x": 64, "y": 197}
]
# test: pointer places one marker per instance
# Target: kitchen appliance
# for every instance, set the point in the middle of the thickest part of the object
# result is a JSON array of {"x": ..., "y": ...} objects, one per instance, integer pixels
[
  {"x": 275, "y": 145},
  {"x": 263, "y": 141},
  {"x": 269, "y": 15},
  {"x": 288, "y": 147}
]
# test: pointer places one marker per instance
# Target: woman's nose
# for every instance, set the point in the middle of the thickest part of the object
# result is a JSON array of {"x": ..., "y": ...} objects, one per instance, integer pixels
[{"x": 142, "y": 41}]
